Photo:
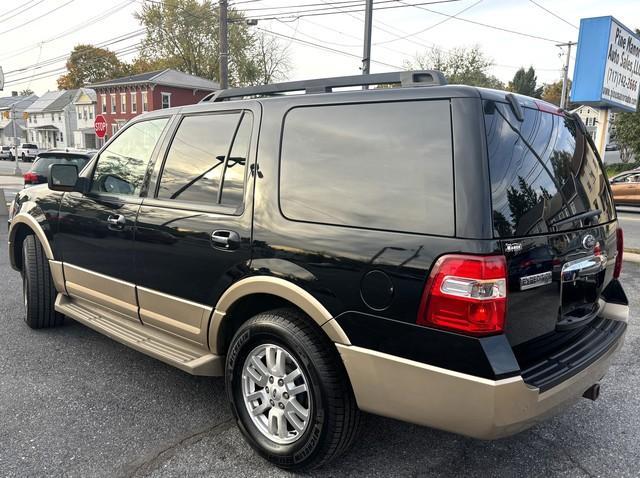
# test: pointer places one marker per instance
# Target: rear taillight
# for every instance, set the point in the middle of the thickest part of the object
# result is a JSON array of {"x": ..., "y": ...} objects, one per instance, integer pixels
[
  {"x": 466, "y": 294},
  {"x": 30, "y": 178},
  {"x": 620, "y": 245}
]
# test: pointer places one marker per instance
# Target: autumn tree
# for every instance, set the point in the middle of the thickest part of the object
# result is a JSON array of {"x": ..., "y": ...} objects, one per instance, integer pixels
[
  {"x": 525, "y": 82},
  {"x": 552, "y": 92},
  {"x": 183, "y": 34},
  {"x": 464, "y": 66},
  {"x": 88, "y": 64}
]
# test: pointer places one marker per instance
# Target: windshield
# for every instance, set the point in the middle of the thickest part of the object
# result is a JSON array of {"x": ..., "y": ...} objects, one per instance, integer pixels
[
  {"x": 29, "y": 146},
  {"x": 544, "y": 175},
  {"x": 41, "y": 166}
]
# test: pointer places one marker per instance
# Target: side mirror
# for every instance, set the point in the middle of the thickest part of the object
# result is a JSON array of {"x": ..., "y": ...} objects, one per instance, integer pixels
[{"x": 63, "y": 177}]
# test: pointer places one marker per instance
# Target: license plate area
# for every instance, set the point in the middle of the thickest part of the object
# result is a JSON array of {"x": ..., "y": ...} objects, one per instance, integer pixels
[{"x": 581, "y": 282}]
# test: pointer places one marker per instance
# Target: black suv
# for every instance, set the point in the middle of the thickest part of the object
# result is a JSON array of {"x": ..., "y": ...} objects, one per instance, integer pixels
[{"x": 444, "y": 255}]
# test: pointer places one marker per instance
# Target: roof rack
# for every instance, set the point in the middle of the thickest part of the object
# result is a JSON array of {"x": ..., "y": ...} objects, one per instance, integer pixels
[{"x": 326, "y": 85}]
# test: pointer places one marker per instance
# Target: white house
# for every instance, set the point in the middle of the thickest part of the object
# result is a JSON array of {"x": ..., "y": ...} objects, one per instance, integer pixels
[
  {"x": 14, "y": 105},
  {"x": 85, "y": 104},
  {"x": 52, "y": 119},
  {"x": 590, "y": 117}
]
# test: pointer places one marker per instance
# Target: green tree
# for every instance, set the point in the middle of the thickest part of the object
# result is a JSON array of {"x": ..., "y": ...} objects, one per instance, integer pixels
[
  {"x": 525, "y": 83},
  {"x": 26, "y": 92},
  {"x": 627, "y": 128},
  {"x": 183, "y": 34},
  {"x": 464, "y": 66},
  {"x": 88, "y": 64}
]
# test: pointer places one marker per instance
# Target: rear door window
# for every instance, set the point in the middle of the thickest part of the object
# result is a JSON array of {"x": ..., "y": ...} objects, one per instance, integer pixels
[
  {"x": 377, "y": 165},
  {"x": 543, "y": 173}
]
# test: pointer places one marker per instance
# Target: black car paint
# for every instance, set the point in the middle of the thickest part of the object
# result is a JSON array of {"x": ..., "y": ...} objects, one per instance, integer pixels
[{"x": 329, "y": 262}]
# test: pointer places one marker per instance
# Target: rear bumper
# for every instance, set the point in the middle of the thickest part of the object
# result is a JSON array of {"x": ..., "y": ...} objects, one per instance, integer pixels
[{"x": 426, "y": 395}]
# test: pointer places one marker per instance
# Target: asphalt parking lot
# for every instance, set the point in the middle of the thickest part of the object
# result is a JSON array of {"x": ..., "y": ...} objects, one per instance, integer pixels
[{"x": 75, "y": 403}]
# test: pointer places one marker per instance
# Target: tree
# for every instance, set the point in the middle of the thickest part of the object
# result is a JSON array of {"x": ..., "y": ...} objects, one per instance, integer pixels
[
  {"x": 184, "y": 35},
  {"x": 525, "y": 83},
  {"x": 465, "y": 66},
  {"x": 26, "y": 92},
  {"x": 88, "y": 64},
  {"x": 552, "y": 93},
  {"x": 627, "y": 127}
]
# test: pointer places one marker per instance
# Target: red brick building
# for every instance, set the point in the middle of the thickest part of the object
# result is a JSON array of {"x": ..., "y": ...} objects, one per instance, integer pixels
[{"x": 121, "y": 99}]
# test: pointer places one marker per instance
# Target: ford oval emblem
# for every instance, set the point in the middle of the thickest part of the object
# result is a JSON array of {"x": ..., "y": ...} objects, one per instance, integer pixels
[{"x": 588, "y": 241}]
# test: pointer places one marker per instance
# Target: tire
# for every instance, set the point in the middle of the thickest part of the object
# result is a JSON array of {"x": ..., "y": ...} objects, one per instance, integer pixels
[
  {"x": 333, "y": 416},
  {"x": 38, "y": 290},
  {"x": 23, "y": 156}
]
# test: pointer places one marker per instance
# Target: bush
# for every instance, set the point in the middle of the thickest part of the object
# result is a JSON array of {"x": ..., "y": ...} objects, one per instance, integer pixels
[{"x": 617, "y": 168}]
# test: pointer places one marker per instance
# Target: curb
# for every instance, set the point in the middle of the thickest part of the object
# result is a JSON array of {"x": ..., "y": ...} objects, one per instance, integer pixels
[{"x": 631, "y": 257}]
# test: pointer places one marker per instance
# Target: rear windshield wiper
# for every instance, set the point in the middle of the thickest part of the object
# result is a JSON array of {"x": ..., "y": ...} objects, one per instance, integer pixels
[{"x": 577, "y": 217}]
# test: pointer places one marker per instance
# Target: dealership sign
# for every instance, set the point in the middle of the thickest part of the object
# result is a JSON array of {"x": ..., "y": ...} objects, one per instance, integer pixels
[{"x": 607, "y": 70}]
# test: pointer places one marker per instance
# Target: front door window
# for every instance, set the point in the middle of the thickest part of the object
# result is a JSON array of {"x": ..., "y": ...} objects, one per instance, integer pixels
[{"x": 122, "y": 166}]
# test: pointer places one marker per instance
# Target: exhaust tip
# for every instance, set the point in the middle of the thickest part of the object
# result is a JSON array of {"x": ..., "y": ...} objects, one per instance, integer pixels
[{"x": 593, "y": 392}]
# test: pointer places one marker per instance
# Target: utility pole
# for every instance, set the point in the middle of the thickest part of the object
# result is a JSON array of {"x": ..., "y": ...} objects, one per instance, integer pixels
[
  {"x": 224, "y": 46},
  {"x": 565, "y": 75},
  {"x": 17, "y": 171},
  {"x": 366, "y": 53}
]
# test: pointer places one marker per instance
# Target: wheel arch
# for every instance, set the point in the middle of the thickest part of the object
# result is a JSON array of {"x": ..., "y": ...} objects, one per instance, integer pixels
[
  {"x": 23, "y": 225},
  {"x": 256, "y": 294}
]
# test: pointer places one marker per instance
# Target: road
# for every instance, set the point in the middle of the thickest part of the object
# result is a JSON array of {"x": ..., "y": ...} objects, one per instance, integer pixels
[{"x": 75, "y": 403}]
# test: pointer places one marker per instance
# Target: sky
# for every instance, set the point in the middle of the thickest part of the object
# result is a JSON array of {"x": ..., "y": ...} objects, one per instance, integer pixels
[{"x": 36, "y": 36}]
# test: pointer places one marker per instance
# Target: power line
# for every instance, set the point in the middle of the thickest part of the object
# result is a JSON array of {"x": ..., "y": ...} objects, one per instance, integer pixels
[
  {"x": 323, "y": 47},
  {"x": 480, "y": 23},
  {"x": 37, "y": 18},
  {"x": 553, "y": 14},
  {"x": 5, "y": 18}
]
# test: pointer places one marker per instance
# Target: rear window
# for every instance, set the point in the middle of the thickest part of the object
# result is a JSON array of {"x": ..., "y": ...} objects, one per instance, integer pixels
[
  {"x": 543, "y": 174},
  {"x": 41, "y": 166},
  {"x": 376, "y": 165}
]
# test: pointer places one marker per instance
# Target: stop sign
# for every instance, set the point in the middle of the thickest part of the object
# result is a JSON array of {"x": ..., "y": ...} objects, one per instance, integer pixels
[{"x": 100, "y": 126}]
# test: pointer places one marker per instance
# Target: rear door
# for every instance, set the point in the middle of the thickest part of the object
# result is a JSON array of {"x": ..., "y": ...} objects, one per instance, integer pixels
[
  {"x": 553, "y": 214},
  {"x": 193, "y": 232}
]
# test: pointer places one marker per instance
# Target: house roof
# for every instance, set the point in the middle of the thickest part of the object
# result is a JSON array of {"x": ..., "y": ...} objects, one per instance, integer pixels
[
  {"x": 81, "y": 93},
  {"x": 21, "y": 102},
  {"x": 168, "y": 77},
  {"x": 52, "y": 101}
]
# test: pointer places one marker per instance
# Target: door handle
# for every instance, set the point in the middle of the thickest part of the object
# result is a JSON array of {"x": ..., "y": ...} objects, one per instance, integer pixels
[
  {"x": 118, "y": 221},
  {"x": 225, "y": 239}
]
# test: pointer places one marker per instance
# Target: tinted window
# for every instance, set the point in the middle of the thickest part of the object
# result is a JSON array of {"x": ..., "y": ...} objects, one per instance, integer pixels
[
  {"x": 534, "y": 195},
  {"x": 383, "y": 165},
  {"x": 196, "y": 159},
  {"x": 41, "y": 166},
  {"x": 121, "y": 166}
]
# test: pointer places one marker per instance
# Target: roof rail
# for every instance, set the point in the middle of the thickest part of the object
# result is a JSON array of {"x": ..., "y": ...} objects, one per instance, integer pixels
[{"x": 326, "y": 85}]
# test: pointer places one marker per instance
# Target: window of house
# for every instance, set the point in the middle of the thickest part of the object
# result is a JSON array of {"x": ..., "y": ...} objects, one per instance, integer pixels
[
  {"x": 90, "y": 108},
  {"x": 85, "y": 112},
  {"x": 374, "y": 157},
  {"x": 145, "y": 104},
  {"x": 123, "y": 102},
  {"x": 53, "y": 116},
  {"x": 59, "y": 116},
  {"x": 80, "y": 114},
  {"x": 197, "y": 159},
  {"x": 114, "y": 128},
  {"x": 166, "y": 100},
  {"x": 134, "y": 102},
  {"x": 61, "y": 137},
  {"x": 113, "y": 103},
  {"x": 122, "y": 165},
  {"x": 103, "y": 101}
]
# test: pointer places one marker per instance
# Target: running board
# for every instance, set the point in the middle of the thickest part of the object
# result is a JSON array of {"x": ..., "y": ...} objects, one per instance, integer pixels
[{"x": 169, "y": 349}]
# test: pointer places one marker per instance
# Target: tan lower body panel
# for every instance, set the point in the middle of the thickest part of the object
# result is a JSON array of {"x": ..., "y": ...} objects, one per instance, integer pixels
[
  {"x": 174, "y": 315},
  {"x": 186, "y": 356},
  {"x": 57, "y": 275},
  {"x": 425, "y": 395}
]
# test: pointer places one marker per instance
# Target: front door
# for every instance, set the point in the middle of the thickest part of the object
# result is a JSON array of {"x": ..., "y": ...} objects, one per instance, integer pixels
[
  {"x": 193, "y": 234},
  {"x": 96, "y": 229}
]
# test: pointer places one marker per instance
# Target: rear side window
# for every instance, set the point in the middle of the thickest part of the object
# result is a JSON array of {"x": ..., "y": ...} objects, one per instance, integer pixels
[
  {"x": 197, "y": 159},
  {"x": 543, "y": 172},
  {"x": 378, "y": 165},
  {"x": 41, "y": 166}
]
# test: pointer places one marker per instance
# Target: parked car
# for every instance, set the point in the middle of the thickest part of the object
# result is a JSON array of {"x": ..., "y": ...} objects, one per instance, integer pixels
[
  {"x": 6, "y": 153},
  {"x": 626, "y": 188},
  {"x": 39, "y": 172},
  {"x": 28, "y": 151},
  {"x": 612, "y": 147},
  {"x": 408, "y": 252}
]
